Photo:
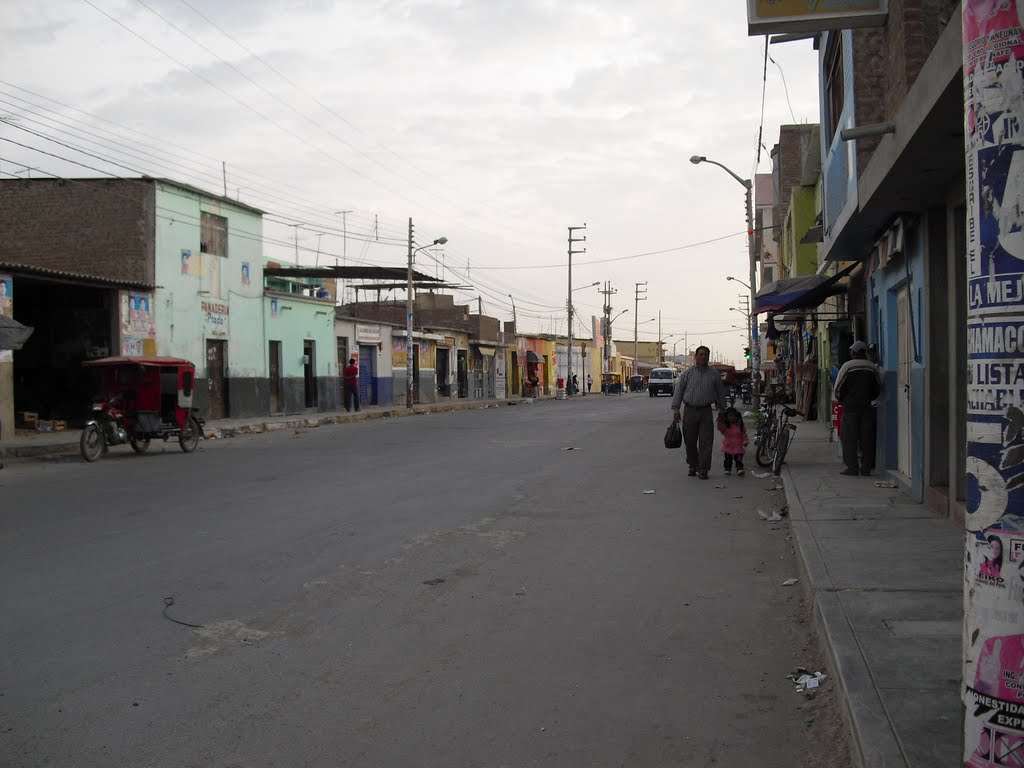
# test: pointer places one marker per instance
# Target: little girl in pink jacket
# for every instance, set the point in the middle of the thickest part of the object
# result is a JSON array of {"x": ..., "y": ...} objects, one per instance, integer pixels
[{"x": 734, "y": 439}]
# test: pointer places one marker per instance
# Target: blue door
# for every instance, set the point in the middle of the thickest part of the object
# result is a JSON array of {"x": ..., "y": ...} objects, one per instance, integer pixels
[{"x": 367, "y": 380}]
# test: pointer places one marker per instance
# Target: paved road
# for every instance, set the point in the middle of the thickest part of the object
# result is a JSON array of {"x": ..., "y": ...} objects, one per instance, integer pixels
[{"x": 445, "y": 590}]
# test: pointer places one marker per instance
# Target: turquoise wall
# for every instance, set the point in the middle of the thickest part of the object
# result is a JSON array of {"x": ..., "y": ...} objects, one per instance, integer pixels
[{"x": 201, "y": 296}]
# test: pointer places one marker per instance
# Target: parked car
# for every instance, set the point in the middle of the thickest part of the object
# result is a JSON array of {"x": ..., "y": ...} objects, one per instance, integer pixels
[{"x": 662, "y": 381}]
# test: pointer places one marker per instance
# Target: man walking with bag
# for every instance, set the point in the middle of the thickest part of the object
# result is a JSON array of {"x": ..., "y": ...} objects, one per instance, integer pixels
[{"x": 699, "y": 388}]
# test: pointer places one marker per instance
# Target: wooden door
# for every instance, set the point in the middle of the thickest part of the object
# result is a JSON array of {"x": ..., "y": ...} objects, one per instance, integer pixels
[
  {"x": 309, "y": 372},
  {"x": 275, "y": 377},
  {"x": 415, "y": 373},
  {"x": 216, "y": 393}
]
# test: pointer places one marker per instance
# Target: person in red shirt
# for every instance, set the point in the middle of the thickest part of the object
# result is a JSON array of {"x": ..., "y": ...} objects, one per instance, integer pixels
[{"x": 350, "y": 381}]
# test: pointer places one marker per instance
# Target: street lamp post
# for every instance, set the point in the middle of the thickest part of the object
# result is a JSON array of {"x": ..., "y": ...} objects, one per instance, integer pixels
[
  {"x": 755, "y": 347},
  {"x": 608, "y": 340},
  {"x": 408, "y": 315},
  {"x": 636, "y": 342},
  {"x": 661, "y": 341}
]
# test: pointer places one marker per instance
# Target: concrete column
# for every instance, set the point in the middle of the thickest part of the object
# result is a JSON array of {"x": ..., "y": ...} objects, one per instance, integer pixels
[{"x": 993, "y": 643}]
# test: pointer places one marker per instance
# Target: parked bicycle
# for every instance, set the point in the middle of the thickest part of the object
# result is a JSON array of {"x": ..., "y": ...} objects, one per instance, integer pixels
[{"x": 774, "y": 434}]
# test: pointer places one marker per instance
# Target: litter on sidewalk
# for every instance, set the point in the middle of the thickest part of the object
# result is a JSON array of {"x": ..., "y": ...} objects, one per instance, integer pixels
[
  {"x": 805, "y": 680},
  {"x": 774, "y": 517},
  {"x": 649, "y": 493},
  {"x": 886, "y": 484},
  {"x": 790, "y": 582},
  {"x": 762, "y": 475}
]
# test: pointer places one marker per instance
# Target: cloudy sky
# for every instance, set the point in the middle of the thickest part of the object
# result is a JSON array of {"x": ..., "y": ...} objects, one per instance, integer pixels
[{"x": 497, "y": 124}]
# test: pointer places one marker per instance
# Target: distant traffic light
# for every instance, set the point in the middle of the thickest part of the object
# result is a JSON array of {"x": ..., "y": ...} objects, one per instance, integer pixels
[{"x": 746, "y": 353}]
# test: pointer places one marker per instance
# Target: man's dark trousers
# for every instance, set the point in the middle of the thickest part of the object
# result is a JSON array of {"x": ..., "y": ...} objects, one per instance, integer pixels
[
  {"x": 698, "y": 436},
  {"x": 351, "y": 398},
  {"x": 859, "y": 437}
]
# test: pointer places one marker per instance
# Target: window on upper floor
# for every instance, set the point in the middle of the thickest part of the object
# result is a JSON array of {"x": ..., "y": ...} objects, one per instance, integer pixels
[
  {"x": 835, "y": 90},
  {"x": 213, "y": 234}
]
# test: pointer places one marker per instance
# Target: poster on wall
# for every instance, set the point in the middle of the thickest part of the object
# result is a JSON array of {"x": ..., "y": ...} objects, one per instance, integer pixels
[
  {"x": 188, "y": 264},
  {"x": 993, "y": 671},
  {"x": 6, "y": 310},
  {"x": 398, "y": 355},
  {"x": 499, "y": 375},
  {"x": 246, "y": 272},
  {"x": 138, "y": 329}
]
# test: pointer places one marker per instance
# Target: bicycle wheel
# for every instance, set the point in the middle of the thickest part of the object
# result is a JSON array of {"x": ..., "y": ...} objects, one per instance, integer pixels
[
  {"x": 765, "y": 448},
  {"x": 780, "y": 452}
]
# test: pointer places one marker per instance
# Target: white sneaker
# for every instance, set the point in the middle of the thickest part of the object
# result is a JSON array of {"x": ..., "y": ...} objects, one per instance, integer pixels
[
  {"x": 728, "y": 472},
  {"x": 739, "y": 472}
]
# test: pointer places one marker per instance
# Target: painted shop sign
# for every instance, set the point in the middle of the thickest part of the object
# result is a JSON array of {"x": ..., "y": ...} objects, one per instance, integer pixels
[
  {"x": 368, "y": 334},
  {"x": 215, "y": 318}
]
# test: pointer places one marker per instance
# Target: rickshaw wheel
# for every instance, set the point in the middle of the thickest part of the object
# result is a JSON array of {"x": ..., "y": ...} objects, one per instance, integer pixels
[
  {"x": 188, "y": 438},
  {"x": 139, "y": 444},
  {"x": 92, "y": 443}
]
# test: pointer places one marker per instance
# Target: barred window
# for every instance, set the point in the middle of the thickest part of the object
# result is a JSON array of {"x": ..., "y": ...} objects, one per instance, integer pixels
[{"x": 213, "y": 234}]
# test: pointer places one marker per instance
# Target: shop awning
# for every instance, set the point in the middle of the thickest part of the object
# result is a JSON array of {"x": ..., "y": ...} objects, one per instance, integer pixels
[
  {"x": 486, "y": 351},
  {"x": 799, "y": 292},
  {"x": 13, "y": 334},
  {"x": 533, "y": 357}
]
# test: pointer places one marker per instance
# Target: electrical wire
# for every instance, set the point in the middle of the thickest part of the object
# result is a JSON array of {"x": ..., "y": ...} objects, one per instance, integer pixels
[
  {"x": 785, "y": 87},
  {"x": 244, "y": 175}
]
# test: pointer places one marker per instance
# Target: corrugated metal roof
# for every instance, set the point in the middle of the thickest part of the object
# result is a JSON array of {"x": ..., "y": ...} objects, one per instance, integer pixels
[{"x": 60, "y": 274}]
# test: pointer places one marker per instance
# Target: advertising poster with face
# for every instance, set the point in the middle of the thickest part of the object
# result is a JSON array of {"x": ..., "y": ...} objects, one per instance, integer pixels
[{"x": 138, "y": 329}]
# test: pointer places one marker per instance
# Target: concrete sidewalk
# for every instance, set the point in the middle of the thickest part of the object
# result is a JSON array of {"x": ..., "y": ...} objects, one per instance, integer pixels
[
  {"x": 885, "y": 575},
  {"x": 45, "y": 445}
]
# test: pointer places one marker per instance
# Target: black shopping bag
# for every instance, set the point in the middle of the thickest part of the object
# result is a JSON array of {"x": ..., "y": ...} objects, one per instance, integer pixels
[{"x": 673, "y": 436}]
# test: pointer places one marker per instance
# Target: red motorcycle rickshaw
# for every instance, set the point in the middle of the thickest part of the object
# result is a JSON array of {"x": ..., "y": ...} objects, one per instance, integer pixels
[{"x": 141, "y": 399}]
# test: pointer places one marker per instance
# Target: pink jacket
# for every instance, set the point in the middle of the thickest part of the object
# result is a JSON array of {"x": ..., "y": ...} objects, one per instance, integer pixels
[{"x": 734, "y": 439}]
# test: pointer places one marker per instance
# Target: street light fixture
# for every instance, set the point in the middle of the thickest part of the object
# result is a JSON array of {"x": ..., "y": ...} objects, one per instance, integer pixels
[
  {"x": 408, "y": 314},
  {"x": 661, "y": 341},
  {"x": 755, "y": 347},
  {"x": 730, "y": 277}
]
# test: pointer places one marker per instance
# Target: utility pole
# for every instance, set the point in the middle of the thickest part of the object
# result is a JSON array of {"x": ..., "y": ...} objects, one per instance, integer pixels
[
  {"x": 636, "y": 322},
  {"x": 515, "y": 325},
  {"x": 606, "y": 326},
  {"x": 659, "y": 339},
  {"x": 568, "y": 304},
  {"x": 408, "y": 326}
]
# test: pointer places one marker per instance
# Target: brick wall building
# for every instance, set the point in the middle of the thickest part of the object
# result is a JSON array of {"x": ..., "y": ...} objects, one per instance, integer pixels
[{"x": 102, "y": 228}]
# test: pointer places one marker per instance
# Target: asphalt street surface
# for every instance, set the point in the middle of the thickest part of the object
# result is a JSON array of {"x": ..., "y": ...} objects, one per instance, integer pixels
[{"x": 454, "y": 589}]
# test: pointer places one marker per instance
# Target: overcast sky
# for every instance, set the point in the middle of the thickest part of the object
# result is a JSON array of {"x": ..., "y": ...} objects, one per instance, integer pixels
[{"x": 497, "y": 124}]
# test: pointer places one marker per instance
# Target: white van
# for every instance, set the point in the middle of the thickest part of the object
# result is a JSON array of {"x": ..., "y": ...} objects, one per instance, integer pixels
[{"x": 662, "y": 381}]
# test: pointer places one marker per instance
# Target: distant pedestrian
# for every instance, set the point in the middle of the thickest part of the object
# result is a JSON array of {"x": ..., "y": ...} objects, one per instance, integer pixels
[
  {"x": 590, "y": 383},
  {"x": 575, "y": 384},
  {"x": 857, "y": 385},
  {"x": 699, "y": 388},
  {"x": 734, "y": 439},
  {"x": 351, "y": 383}
]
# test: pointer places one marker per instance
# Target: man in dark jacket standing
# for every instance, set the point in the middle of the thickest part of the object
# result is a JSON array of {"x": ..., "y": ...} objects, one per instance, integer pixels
[
  {"x": 857, "y": 385},
  {"x": 699, "y": 388}
]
